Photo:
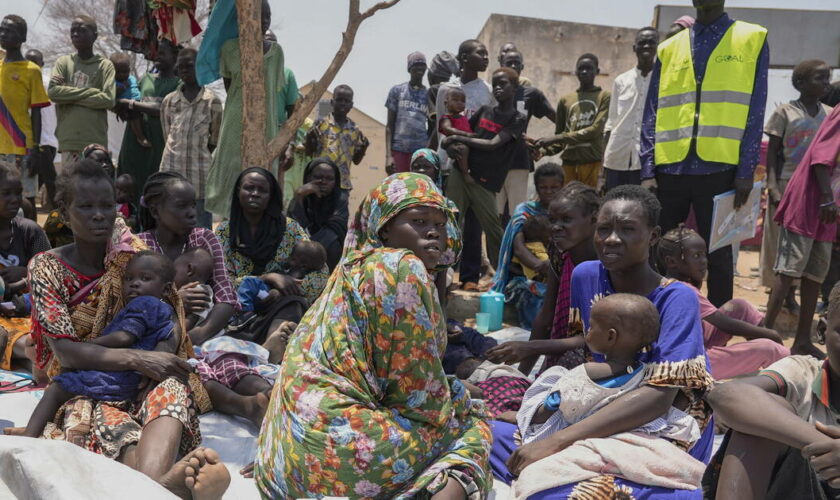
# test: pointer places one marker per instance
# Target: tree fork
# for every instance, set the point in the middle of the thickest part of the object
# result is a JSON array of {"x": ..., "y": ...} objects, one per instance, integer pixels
[{"x": 255, "y": 151}]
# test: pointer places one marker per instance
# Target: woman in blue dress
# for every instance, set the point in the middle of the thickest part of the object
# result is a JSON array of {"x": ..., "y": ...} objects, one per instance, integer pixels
[{"x": 677, "y": 372}]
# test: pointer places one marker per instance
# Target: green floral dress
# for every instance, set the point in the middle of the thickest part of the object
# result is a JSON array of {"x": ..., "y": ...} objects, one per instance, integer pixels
[
  {"x": 362, "y": 407},
  {"x": 239, "y": 266}
]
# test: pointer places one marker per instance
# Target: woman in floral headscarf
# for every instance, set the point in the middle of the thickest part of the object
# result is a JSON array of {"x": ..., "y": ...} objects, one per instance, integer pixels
[{"x": 362, "y": 407}]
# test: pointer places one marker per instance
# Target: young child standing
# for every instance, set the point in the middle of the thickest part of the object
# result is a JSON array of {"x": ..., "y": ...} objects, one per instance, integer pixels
[
  {"x": 191, "y": 118},
  {"x": 682, "y": 255},
  {"x": 581, "y": 117},
  {"x": 337, "y": 137},
  {"x": 127, "y": 88},
  {"x": 124, "y": 190},
  {"x": 790, "y": 130},
  {"x": 407, "y": 106},
  {"x": 807, "y": 214},
  {"x": 146, "y": 322},
  {"x": 455, "y": 123},
  {"x": 82, "y": 87},
  {"x": 621, "y": 326},
  {"x": 22, "y": 96}
]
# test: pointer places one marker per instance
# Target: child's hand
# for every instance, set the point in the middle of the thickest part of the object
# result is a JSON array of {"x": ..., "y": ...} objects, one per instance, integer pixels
[
  {"x": 272, "y": 297},
  {"x": 828, "y": 213},
  {"x": 824, "y": 455}
]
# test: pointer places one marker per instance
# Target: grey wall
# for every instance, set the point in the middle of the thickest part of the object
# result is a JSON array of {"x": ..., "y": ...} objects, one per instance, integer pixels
[
  {"x": 551, "y": 49},
  {"x": 793, "y": 35}
]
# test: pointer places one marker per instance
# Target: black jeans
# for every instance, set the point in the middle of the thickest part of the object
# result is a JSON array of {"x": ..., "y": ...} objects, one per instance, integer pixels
[
  {"x": 677, "y": 194},
  {"x": 615, "y": 178},
  {"x": 471, "y": 252}
]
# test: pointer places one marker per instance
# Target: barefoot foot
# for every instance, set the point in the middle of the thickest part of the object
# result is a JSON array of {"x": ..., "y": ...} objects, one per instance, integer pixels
[
  {"x": 211, "y": 480},
  {"x": 174, "y": 480},
  {"x": 255, "y": 408},
  {"x": 808, "y": 349}
]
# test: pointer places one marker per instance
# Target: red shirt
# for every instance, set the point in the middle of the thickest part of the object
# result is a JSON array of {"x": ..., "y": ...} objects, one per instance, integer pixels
[{"x": 799, "y": 210}]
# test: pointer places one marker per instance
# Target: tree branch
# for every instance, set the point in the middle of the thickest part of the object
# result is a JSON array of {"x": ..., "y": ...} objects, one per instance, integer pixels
[
  {"x": 354, "y": 19},
  {"x": 379, "y": 6}
]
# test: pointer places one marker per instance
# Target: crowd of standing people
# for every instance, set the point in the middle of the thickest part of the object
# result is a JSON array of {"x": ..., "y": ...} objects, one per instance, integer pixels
[{"x": 173, "y": 280}]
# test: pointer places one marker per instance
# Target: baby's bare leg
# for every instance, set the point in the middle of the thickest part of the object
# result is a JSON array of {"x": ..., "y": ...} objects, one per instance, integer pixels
[{"x": 54, "y": 396}]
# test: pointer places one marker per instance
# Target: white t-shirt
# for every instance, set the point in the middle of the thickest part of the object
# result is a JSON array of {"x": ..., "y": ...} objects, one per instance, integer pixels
[{"x": 48, "y": 122}]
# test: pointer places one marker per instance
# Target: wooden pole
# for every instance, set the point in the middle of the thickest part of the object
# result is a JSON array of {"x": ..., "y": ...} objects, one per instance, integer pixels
[
  {"x": 255, "y": 151},
  {"x": 253, "y": 84}
]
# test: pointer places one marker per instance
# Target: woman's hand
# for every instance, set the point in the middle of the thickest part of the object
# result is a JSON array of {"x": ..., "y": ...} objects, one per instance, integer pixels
[
  {"x": 159, "y": 366},
  {"x": 194, "y": 297},
  {"x": 286, "y": 285},
  {"x": 13, "y": 273},
  {"x": 307, "y": 189},
  {"x": 529, "y": 453},
  {"x": 510, "y": 352},
  {"x": 544, "y": 268}
]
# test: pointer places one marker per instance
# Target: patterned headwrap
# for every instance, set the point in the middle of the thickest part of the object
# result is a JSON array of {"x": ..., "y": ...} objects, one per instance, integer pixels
[
  {"x": 397, "y": 193},
  {"x": 433, "y": 158}
]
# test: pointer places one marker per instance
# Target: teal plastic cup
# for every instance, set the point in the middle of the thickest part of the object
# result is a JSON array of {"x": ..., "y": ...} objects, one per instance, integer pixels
[{"x": 482, "y": 322}]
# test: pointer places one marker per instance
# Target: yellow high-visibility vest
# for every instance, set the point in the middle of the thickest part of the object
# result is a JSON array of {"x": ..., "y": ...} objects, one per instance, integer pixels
[{"x": 715, "y": 115}]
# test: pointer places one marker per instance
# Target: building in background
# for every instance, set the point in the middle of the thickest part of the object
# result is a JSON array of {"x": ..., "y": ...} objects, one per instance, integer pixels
[{"x": 551, "y": 49}]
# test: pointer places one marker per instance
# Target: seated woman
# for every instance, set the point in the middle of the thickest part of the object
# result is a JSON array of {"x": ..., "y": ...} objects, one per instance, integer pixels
[
  {"x": 510, "y": 278},
  {"x": 76, "y": 291},
  {"x": 168, "y": 215},
  {"x": 677, "y": 368},
  {"x": 20, "y": 240},
  {"x": 258, "y": 240},
  {"x": 572, "y": 215},
  {"x": 57, "y": 230},
  {"x": 785, "y": 442},
  {"x": 320, "y": 207},
  {"x": 361, "y": 396},
  {"x": 681, "y": 254}
]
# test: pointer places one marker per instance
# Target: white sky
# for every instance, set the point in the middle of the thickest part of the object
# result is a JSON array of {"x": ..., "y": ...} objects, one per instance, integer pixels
[{"x": 310, "y": 31}]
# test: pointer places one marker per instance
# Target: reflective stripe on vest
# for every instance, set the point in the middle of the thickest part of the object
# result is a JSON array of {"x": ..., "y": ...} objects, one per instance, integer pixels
[{"x": 724, "y": 96}]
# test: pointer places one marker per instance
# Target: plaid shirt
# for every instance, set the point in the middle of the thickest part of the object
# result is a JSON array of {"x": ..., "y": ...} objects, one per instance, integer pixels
[
  {"x": 190, "y": 128},
  {"x": 339, "y": 143},
  {"x": 204, "y": 238}
]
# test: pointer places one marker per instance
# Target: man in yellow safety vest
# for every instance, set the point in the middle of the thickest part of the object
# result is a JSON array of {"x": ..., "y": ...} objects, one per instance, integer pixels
[{"x": 702, "y": 125}]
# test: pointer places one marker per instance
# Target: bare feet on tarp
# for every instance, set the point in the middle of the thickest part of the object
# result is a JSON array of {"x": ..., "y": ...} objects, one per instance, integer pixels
[
  {"x": 183, "y": 477},
  {"x": 209, "y": 481}
]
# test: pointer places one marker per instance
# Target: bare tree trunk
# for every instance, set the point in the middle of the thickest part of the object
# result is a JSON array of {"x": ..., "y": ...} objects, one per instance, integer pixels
[
  {"x": 253, "y": 84},
  {"x": 254, "y": 149}
]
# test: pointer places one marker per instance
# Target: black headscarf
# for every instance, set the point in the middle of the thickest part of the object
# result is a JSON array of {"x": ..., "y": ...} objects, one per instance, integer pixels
[
  {"x": 262, "y": 247},
  {"x": 315, "y": 211}
]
